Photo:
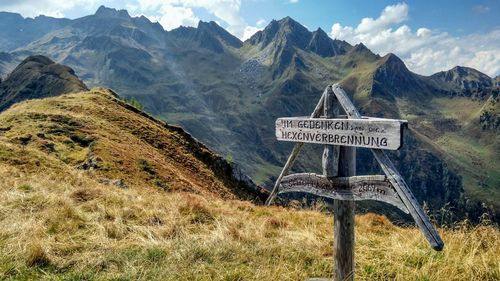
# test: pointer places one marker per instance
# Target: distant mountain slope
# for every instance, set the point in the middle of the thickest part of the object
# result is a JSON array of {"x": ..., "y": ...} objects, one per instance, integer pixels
[
  {"x": 7, "y": 63},
  {"x": 38, "y": 77},
  {"x": 16, "y": 31},
  {"x": 208, "y": 35},
  {"x": 465, "y": 78},
  {"x": 228, "y": 93}
]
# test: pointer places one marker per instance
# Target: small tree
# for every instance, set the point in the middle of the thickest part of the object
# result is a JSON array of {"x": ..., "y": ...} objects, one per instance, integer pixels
[
  {"x": 135, "y": 103},
  {"x": 229, "y": 159}
]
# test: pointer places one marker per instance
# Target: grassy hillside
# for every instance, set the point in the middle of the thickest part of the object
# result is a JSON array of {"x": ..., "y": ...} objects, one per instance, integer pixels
[
  {"x": 100, "y": 135},
  {"x": 453, "y": 126},
  {"x": 94, "y": 189}
]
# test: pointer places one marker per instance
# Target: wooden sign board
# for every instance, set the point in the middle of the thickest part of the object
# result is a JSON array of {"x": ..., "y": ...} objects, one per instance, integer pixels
[
  {"x": 344, "y": 188},
  {"x": 368, "y": 132}
]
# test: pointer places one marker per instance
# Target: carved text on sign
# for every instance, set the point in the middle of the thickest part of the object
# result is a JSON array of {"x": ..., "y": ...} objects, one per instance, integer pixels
[
  {"x": 369, "y": 132},
  {"x": 344, "y": 188}
]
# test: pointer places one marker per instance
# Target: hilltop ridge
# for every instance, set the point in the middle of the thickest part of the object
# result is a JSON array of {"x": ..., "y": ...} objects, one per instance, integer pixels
[{"x": 76, "y": 130}]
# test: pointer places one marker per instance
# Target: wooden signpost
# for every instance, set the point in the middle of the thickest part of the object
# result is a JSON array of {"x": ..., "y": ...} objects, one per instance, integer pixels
[
  {"x": 341, "y": 136},
  {"x": 368, "y": 132}
]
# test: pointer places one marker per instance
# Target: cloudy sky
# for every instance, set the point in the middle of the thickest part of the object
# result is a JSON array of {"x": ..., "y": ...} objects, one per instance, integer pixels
[{"x": 429, "y": 36}]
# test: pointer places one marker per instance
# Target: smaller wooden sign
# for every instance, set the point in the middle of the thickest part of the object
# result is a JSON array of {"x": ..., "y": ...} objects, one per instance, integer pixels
[
  {"x": 368, "y": 132},
  {"x": 376, "y": 188}
]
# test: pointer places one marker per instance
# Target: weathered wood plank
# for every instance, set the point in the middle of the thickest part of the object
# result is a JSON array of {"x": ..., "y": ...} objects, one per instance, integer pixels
[
  {"x": 395, "y": 178},
  {"x": 330, "y": 159},
  {"x": 330, "y": 152},
  {"x": 343, "y": 217},
  {"x": 356, "y": 188},
  {"x": 296, "y": 150},
  {"x": 368, "y": 132}
]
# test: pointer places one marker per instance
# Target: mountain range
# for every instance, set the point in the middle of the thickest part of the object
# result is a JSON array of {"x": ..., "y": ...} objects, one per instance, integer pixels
[{"x": 228, "y": 93}]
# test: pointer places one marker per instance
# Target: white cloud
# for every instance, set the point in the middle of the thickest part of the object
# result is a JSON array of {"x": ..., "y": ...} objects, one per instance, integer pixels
[
  {"x": 293, "y": 1},
  {"x": 251, "y": 30},
  {"x": 169, "y": 13},
  {"x": 261, "y": 22},
  {"x": 175, "y": 16},
  {"x": 53, "y": 8},
  {"x": 424, "y": 51},
  {"x": 174, "y": 13},
  {"x": 390, "y": 15}
]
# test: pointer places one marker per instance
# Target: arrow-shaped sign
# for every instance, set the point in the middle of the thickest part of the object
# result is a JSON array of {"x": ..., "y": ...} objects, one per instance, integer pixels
[{"x": 344, "y": 188}]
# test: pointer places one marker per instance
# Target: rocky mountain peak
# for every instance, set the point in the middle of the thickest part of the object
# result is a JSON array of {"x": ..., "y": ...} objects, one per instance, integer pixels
[
  {"x": 284, "y": 31},
  {"x": 394, "y": 62},
  {"x": 464, "y": 78},
  {"x": 216, "y": 30},
  {"x": 392, "y": 77},
  {"x": 38, "y": 77},
  {"x": 211, "y": 25},
  {"x": 10, "y": 16},
  {"x": 111, "y": 13},
  {"x": 324, "y": 46},
  {"x": 288, "y": 22},
  {"x": 266, "y": 35},
  {"x": 293, "y": 32},
  {"x": 360, "y": 48},
  {"x": 37, "y": 59},
  {"x": 207, "y": 35}
]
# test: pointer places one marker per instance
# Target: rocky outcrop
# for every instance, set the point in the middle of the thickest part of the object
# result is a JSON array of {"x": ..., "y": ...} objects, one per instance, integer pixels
[
  {"x": 38, "y": 77},
  {"x": 464, "y": 78},
  {"x": 208, "y": 35}
]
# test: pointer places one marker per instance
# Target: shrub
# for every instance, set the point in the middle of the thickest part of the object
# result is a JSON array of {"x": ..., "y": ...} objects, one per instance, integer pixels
[
  {"x": 135, "y": 103},
  {"x": 147, "y": 167}
]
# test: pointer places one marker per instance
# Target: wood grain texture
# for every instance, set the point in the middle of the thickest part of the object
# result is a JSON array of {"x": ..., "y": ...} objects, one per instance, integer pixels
[
  {"x": 330, "y": 164},
  {"x": 343, "y": 220},
  {"x": 330, "y": 152},
  {"x": 411, "y": 203},
  {"x": 357, "y": 188},
  {"x": 295, "y": 151},
  {"x": 366, "y": 132},
  {"x": 395, "y": 178}
]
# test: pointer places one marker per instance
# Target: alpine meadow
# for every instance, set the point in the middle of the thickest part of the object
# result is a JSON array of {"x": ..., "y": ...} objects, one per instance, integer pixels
[{"x": 132, "y": 152}]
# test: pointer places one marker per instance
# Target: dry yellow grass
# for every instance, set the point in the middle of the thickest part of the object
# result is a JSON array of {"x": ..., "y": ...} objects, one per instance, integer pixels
[
  {"x": 71, "y": 227},
  {"x": 61, "y": 222}
]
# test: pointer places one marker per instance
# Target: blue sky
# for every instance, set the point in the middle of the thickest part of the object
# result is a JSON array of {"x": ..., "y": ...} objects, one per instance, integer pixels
[
  {"x": 428, "y": 35},
  {"x": 455, "y": 17}
]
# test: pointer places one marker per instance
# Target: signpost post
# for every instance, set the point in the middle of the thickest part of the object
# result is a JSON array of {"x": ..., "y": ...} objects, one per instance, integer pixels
[{"x": 341, "y": 136}]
